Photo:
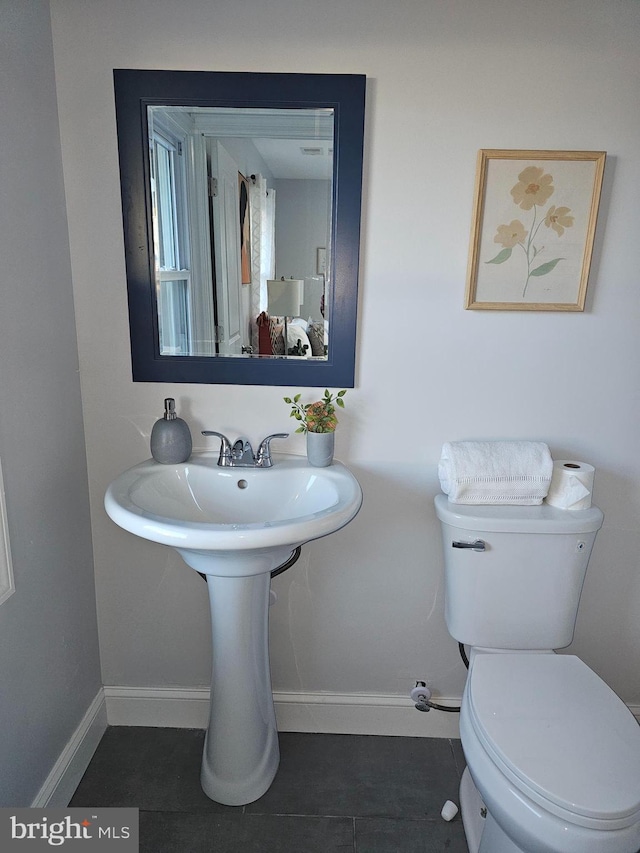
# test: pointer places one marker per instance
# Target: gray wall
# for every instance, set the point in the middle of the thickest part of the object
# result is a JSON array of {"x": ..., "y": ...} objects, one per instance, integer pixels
[{"x": 49, "y": 665}]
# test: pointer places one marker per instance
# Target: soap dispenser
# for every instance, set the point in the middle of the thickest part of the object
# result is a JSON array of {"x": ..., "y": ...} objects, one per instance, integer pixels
[{"x": 170, "y": 437}]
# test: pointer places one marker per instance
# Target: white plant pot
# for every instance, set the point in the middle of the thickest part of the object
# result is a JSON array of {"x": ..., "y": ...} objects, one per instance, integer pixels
[{"x": 320, "y": 448}]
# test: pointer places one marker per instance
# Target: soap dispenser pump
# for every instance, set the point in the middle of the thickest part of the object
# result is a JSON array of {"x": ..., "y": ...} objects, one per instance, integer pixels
[{"x": 170, "y": 437}]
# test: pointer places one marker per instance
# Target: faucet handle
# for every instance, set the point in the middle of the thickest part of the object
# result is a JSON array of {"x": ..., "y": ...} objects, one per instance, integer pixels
[
  {"x": 263, "y": 456},
  {"x": 225, "y": 445}
]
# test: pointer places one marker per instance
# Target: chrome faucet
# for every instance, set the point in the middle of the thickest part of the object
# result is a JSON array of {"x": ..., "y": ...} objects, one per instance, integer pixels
[{"x": 241, "y": 455}]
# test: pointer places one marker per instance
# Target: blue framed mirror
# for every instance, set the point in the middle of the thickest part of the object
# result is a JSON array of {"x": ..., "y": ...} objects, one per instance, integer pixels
[{"x": 241, "y": 201}]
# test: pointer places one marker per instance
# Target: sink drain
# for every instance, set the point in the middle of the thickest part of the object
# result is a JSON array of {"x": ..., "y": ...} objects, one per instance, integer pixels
[{"x": 242, "y": 484}]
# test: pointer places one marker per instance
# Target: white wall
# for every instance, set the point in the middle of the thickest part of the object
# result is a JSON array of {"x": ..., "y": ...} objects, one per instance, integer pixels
[
  {"x": 49, "y": 665},
  {"x": 363, "y": 610}
]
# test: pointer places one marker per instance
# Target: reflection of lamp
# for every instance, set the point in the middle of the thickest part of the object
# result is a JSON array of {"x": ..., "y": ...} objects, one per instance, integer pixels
[{"x": 285, "y": 298}]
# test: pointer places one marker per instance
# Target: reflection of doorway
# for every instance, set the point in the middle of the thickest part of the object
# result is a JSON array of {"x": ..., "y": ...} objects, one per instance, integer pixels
[{"x": 226, "y": 250}]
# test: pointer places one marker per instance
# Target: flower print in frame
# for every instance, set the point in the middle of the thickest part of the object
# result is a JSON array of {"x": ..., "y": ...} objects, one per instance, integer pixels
[{"x": 534, "y": 223}]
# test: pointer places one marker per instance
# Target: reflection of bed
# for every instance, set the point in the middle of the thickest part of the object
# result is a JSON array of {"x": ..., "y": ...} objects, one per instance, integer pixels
[{"x": 304, "y": 339}]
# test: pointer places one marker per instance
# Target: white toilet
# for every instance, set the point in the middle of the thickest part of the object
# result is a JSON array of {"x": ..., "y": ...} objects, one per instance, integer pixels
[{"x": 553, "y": 755}]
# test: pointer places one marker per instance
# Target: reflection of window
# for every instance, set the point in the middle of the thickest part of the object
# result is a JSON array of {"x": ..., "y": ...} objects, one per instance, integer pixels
[
  {"x": 169, "y": 198},
  {"x": 173, "y": 313}
]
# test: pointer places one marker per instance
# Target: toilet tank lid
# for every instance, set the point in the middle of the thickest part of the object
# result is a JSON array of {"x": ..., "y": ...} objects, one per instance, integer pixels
[{"x": 518, "y": 519}]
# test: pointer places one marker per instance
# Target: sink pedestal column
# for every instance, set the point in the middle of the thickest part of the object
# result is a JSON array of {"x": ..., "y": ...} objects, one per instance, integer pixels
[{"x": 241, "y": 751}]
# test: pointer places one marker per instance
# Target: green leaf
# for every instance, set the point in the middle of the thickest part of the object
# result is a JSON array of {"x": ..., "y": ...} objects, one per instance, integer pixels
[
  {"x": 545, "y": 268},
  {"x": 501, "y": 257},
  {"x": 296, "y": 398},
  {"x": 342, "y": 393},
  {"x": 340, "y": 403},
  {"x": 287, "y": 399}
]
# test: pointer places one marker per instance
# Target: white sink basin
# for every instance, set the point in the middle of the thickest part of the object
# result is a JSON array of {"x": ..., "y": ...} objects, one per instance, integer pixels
[
  {"x": 236, "y": 525},
  {"x": 199, "y": 505}
]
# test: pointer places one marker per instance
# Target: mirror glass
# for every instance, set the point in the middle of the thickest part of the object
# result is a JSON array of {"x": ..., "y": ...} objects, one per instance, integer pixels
[
  {"x": 241, "y": 206},
  {"x": 240, "y": 197}
]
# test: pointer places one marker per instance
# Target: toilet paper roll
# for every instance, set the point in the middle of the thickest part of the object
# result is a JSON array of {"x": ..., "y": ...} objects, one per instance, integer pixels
[{"x": 571, "y": 485}]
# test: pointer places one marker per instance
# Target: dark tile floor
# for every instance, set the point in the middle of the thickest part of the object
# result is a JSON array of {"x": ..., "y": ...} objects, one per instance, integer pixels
[{"x": 346, "y": 793}]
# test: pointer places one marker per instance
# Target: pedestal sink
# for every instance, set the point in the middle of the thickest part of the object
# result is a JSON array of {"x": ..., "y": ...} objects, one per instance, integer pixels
[{"x": 236, "y": 525}]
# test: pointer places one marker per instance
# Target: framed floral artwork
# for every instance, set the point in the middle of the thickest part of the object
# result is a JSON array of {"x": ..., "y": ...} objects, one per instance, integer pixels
[{"x": 534, "y": 222}]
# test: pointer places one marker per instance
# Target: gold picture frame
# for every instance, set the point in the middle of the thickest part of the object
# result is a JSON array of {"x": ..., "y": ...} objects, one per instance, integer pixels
[{"x": 533, "y": 227}]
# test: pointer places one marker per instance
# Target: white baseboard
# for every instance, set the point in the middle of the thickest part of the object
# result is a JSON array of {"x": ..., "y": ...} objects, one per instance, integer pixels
[
  {"x": 335, "y": 713},
  {"x": 365, "y": 714},
  {"x": 160, "y": 707},
  {"x": 74, "y": 759}
]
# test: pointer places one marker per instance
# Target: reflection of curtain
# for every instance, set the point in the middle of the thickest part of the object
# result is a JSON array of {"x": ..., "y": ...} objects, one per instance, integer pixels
[{"x": 262, "y": 212}]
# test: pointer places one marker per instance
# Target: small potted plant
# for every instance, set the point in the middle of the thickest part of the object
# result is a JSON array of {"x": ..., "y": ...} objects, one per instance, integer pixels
[{"x": 319, "y": 421}]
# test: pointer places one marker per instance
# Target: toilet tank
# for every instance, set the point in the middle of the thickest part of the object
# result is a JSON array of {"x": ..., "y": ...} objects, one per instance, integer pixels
[{"x": 523, "y": 589}]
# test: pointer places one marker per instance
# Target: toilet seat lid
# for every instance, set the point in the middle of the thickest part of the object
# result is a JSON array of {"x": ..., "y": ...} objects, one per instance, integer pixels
[{"x": 560, "y": 731}]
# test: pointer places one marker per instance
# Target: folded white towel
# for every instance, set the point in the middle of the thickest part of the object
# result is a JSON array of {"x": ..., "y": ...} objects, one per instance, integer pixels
[{"x": 495, "y": 472}]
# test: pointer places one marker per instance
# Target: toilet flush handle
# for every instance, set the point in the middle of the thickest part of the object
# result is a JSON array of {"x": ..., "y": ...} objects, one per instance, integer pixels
[{"x": 478, "y": 545}]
